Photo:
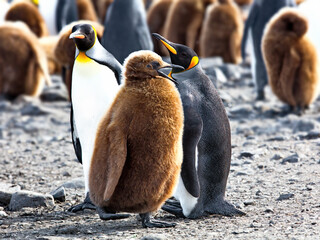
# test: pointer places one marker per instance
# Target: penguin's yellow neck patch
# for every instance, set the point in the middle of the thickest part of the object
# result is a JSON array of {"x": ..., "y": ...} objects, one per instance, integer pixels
[
  {"x": 36, "y": 2},
  {"x": 82, "y": 58},
  {"x": 194, "y": 62}
]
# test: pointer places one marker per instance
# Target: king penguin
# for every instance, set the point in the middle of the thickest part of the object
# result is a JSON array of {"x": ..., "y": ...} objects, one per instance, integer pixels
[
  {"x": 260, "y": 13},
  {"x": 138, "y": 148},
  {"x": 206, "y": 140},
  {"x": 126, "y": 29},
  {"x": 58, "y": 13},
  {"x": 95, "y": 82}
]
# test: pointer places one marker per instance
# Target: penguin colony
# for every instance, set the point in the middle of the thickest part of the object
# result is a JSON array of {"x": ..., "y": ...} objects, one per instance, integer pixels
[
  {"x": 291, "y": 59},
  {"x": 189, "y": 25}
]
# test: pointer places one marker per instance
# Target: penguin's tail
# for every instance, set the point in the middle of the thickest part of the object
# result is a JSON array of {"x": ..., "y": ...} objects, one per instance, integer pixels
[{"x": 290, "y": 22}]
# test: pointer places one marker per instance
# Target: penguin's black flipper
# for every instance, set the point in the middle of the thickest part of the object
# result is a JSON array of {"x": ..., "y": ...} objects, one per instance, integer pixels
[
  {"x": 148, "y": 223},
  {"x": 102, "y": 56},
  {"x": 75, "y": 137},
  {"x": 191, "y": 135},
  {"x": 87, "y": 204}
]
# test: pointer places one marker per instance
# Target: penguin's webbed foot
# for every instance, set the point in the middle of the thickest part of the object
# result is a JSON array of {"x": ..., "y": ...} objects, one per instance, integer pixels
[
  {"x": 106, "y": 215},
  {"x": 260, "y": 95},
  {"x": 224, "y": 208},
  {"x": 148, "y": 223},
  {"x": 87, "y": 204}
]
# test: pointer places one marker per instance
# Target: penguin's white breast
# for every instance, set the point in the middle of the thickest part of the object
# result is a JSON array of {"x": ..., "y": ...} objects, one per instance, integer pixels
[{"x": 47, "y": 9}]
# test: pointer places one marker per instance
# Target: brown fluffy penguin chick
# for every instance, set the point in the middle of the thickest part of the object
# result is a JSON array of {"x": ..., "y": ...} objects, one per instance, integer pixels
[
  {"x": 27, "y": 12},
  {"x": 23, "y": 63},
  {"x": 48, "y": 44},
  {"x": 86, "y": 10},
  {"x": 291, "y": 60},
  {"x": 138, "y": 148},
  {"x": 222, "y": 32},
  {"x": 65, "y": 50},
  {"x": 156, "y": 17},
  {"x": 101, "y": 7},
  {"x": 184, "y": 22}
]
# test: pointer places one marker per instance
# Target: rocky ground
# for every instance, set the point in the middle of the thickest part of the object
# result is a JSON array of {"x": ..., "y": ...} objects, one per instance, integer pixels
[{"x": 274, "y": 176}]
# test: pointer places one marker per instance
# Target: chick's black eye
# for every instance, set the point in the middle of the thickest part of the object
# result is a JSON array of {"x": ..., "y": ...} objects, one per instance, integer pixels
[{"x": 149, "y": 66}]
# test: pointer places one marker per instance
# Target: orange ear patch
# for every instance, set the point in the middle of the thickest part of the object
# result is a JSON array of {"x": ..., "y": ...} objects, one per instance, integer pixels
[{"x": 194, "y": 62}]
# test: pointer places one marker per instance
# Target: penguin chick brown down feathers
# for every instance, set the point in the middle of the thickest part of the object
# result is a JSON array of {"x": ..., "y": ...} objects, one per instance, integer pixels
[
  {"x": 28, "y": 13},
  {"x": 23, "y": 63},
  {"x": 86, "y": 10},
  {"x": 222, "y": 32},
  {"x": 138, "y": 148},
  {"x": 291, "y": 59}
]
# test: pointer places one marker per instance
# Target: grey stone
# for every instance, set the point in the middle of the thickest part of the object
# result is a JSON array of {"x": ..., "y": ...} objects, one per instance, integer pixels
[
  {"x": 75, "y": 183},
  {"x": 285, "y": 196},
  {"x": 154, "y": 237},
  {"x": 248, "y": 203},
  {"x": 310, "y": 135},
  {"x": 23, "y": 199},
  {"x": 241, "y": 110},
  {"x": 276, "y": 157},
  {"x": 32, "y": 109},
  {"x": 6, "y": 191},
  {"x": 3, "y": 214},
  {"x": 59, "y": 194},
  {"x": 291, "y": 159}
]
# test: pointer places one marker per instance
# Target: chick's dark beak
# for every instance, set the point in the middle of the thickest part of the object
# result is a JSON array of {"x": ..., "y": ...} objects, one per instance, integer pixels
[{"x": 165, "y": 75}]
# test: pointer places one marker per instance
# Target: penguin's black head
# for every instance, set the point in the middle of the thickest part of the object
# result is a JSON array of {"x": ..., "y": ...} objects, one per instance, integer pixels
[
  {"x": 84, "y": 36},
  {"x": 180, "y": 54}
]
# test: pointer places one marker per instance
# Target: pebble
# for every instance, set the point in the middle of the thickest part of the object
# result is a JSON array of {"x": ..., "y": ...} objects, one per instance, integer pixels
[
  {"x": 276, "y": 157},
  {"x": 248, "y": 203},
  {"x": 76, "y": 183},
  {"x": 154, "y": 237},
  {"x": 285, "y": 196},
  {"x": 246, "y": 155},
  {"x": 310, "y": 135},
  {"x": 3, "y": 214},
  {"x": 243, "y": 110},
  {"x": 32, "y": 109},
  {"x": 6, "y": 191},
  {"x": 59, "y": 194},
  {"x": 291, "y": 159},
  {"x": 25, "y": 198}
]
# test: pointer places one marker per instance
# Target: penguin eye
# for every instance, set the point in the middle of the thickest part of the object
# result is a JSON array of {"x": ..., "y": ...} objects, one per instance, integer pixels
[{"x": 149, "y": 66}]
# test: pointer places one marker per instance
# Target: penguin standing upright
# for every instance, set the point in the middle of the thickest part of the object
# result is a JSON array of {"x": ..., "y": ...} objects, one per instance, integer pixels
[
  {"x": 58, "y": 13},
  {"x": 222, "y": 32},
  {"x": 95, "y": 82},
  {"x": 126, "y": 29},
  {"x": 291, "y": 59},
  {"x": 138, "y": 148},
  {"x": 206, "y": 140},
  {"x": 260, "y": 13}
]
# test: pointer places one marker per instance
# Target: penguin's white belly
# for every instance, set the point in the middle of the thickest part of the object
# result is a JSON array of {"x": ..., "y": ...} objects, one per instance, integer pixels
[
  {"x": 187, "y": 201},
  {"x": 4, "y": 7},
  {"x": 47, "y": 9},
  {"x": 94, "y": 87}
]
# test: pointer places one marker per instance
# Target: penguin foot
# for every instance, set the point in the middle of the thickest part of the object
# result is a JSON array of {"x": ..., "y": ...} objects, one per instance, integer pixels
[
  {"x": 173, "y": 202},
  {"x": 104, "y": 215},
  {"x": 87, "y": 204},
  {"x": 147, "y": 223},
  {"x": 260, "y": 95},
  {"x": 175, "y": 210},
  {"x": 224, "y": 208}
]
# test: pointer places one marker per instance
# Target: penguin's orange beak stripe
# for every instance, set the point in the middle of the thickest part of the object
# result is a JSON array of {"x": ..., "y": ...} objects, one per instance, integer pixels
[
  {"x": 171, "y": 49},
  {"x": 80, "y": 36},
  {"x": 194, "y": 62}
]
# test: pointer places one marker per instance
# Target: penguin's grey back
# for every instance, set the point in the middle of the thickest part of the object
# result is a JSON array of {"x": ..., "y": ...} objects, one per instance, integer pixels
[{"x": 126, "y": 29}]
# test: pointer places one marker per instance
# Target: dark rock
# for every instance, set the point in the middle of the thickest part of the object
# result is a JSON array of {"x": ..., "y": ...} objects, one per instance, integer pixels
[
  {"x": 246, "y": 155},
  {"x": 23, "y": 199},
  {"x": 75, "y": 183},
  {"x": 310, "y": 135},
  {"x": 285, "y": 196},
  {"x": 241, "y": 174},
  {"x": 59, "y": 194},
  {"x": 241, "y": 111},
  {"x": 6, "y": 191},
  {"x": 249, "y": 202},
  {"x": 291, "y": 159},
  {"x": 277, "y": 138},
  {"x": 32, "y": 109},
  {"x": 66, "y": 174},
  {"x": 268, "y": 210}
]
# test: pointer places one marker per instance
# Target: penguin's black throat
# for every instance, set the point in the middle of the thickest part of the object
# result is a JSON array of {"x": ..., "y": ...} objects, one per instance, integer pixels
[{"x": 84, "y": 36}]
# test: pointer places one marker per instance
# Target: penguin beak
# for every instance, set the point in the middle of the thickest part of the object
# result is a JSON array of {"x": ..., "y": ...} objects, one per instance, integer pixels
[
  {"x": 76, "y": 34},
  {"x": 166, "y": 43},
  {"x": 162, "y": 74}
]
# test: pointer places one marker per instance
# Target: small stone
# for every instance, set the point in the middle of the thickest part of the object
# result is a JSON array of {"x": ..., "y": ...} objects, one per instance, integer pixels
[
  {"x": 24, "y": 198},
  {"x": 75, "y": 183},
  {"x": 31, "y": 109},
  {"x": 249, "y": 202},
  {"x": 276, "y": 157},
  {"x": 6, "y": 191},
  {"x": 285, "y": 196},
  {"x": 277, "y": 138},
  {"x": 243, "y": 110},
  {"x": 246, "y": 155},
  {"x": 310, "y": 135},
  {"x": 268, "y": 210},
  {"x": 153, "y": 237},
  {"x": 241, "y": 174},
  {"x": 66, "y": 174},
  {"x": 291, "y": 159},
  {"x": 59, "y": 194},
  {"x": 3, "y": 214}
]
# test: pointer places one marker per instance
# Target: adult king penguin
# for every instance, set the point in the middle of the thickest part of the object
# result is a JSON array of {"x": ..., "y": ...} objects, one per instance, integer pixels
[
  {"x": 260, "y": 13},
  {"x": 126, "y": 29},
  {"x": 138, "y": 148},
  {"x": 206, "y": 140},
  {"x": 95, "y": 82}
]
